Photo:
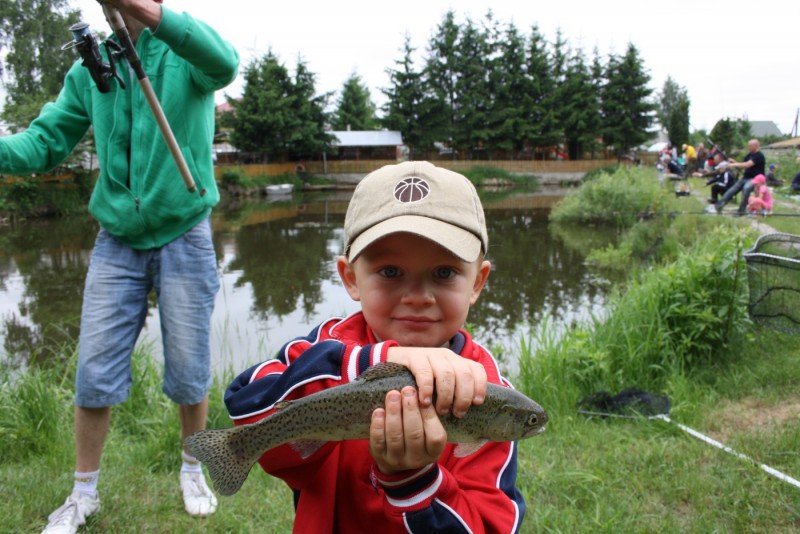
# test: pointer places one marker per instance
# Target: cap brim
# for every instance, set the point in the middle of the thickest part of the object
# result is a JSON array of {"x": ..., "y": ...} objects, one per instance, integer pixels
[{"x": 461, "y": 243}]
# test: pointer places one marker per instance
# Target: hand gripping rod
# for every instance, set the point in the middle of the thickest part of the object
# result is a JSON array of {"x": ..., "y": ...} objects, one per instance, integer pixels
[{"x": 118, "y": 26}]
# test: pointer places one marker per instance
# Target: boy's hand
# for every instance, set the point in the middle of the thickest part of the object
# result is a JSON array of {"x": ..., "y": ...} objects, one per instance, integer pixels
[
  {"x": 405, "y": 435},
  {"x": 459, "y": 382}
]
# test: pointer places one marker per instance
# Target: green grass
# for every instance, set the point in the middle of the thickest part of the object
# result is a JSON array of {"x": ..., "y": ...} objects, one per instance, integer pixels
[
  {"x": 481, "y": 175},
  {"x": 620, "y": 475}
]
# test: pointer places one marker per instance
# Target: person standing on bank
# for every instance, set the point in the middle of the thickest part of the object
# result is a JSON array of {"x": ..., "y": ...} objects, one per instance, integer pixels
[
  {"x": 154, "y": 233},
  {"x": 753, "y": 165}
]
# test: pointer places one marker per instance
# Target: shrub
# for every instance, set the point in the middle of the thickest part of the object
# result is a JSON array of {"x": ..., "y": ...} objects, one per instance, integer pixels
[
  {"x": 618, "y": 198},
  {"x": 232, "y": 177}
]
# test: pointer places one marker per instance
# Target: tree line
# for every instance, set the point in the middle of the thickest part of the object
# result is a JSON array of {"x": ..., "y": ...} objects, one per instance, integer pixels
[{"x": 482, "y": 90}]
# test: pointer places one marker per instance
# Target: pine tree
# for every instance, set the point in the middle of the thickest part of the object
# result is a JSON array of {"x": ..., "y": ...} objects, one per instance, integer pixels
[
  {"x": 724, "y": 135},
  {"x": 673, "y": 111},
  {"x": 439, "y": 81},
  {"x": 542, "y": 127},
  {"x": 403, "y": 108},
  {"x": 627, "y": 113},
  {"x": 509, "y": 128},
  {"x": 597, "y": 71},
  {"x": 355, "y": 109},
  {"x": 278, "y": 116},
  {"x": 579, "y": 113},
  {"x": 473, "y": 98},
  {"x": 678, "y": 124},
  {"x": 309, "y": 137}
]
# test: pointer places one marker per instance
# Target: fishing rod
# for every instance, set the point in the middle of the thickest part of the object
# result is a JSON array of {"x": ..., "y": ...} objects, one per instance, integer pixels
[
  {"x": 634, "y": 404},
  {"x": 102, "y": 73},
  {"x": 729, "y": 214}
]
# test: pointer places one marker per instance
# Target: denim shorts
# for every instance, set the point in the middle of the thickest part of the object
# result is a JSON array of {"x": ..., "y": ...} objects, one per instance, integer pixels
[{"x": 115, "y": 303}]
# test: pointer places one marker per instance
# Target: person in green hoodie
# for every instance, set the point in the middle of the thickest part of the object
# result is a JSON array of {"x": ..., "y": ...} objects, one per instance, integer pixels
[{"x": 154, "y": 233}]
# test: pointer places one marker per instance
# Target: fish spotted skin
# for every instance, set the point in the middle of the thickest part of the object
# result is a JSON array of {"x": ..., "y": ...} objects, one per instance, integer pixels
[{"x": 345, "y": 412}]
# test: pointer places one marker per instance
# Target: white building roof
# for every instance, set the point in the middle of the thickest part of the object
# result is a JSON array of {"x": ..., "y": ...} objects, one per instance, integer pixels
[{"x": 368, "y": 138}]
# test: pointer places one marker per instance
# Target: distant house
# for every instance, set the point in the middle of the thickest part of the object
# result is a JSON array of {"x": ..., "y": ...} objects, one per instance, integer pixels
[
  {"x": 794, "y": 142},
  {"x": 223, "y": 152},
  {"x": 368, "y": 144},
  {"x": 761, "y": 129},
  {"x": 350, "y": 144},
  {"x": 787, "y": 146}
]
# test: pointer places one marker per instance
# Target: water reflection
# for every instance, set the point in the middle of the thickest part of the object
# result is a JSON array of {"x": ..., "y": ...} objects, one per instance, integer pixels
[
  {"x": 279, "y": 280},
  {"x": 535, "y": 274}
]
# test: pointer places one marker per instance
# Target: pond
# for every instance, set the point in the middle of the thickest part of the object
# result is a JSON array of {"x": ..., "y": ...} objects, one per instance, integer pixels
[{"x": 277, "y": 267}]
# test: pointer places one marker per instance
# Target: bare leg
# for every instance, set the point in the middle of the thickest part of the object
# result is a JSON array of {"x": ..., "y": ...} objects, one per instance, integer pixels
[
  {"x": 193, "y": 418},
  {"x": 91, "y": 429}
]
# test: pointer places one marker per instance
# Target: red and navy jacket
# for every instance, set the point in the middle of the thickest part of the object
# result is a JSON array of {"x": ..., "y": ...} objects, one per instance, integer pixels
[{"x": 338, "y": 488}]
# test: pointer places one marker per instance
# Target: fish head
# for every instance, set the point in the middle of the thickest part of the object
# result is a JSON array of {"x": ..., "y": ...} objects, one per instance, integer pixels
[
  {"x": 517, "y": 420},
  {"x": 534, "y": 423}
]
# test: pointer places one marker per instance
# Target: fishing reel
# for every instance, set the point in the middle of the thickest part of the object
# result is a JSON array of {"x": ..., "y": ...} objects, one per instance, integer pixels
[{"x": 86, "y": 44}]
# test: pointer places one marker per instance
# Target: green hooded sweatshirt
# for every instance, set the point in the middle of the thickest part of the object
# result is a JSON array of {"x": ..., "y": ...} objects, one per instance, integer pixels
[{"x": 140, "y": 196}]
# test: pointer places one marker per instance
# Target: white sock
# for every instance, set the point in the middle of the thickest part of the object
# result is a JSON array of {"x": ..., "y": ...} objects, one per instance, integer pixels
[
  {"x": 190, "y": 464},
  {"x": 86, "y": 483}
]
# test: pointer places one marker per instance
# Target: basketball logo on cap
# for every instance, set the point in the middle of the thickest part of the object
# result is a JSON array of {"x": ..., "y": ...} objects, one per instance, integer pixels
[{"x": 411, "y": 189}]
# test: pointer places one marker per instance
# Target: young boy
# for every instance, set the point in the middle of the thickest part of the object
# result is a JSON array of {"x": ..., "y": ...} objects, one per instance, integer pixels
[{"x": 415, "y": 239}]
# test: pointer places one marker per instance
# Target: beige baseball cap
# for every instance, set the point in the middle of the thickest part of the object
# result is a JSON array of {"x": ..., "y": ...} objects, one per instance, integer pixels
[{"x": 419, "y": 198}]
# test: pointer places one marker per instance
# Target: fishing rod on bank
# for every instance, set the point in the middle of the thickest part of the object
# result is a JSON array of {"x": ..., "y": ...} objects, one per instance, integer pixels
[
  {"x": 728, "y": 214},
  {"x": 102, "y": 72}
]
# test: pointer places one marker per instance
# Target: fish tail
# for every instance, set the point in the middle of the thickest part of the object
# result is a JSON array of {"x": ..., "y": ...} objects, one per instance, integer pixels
[{"x": 213, "y": 448}]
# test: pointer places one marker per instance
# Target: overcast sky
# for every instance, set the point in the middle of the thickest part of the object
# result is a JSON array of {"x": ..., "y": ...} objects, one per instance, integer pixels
[{"x": 736, "y": 59}]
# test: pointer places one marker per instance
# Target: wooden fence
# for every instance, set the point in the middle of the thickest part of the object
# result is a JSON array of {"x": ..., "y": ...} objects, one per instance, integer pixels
[
  {"x": 366, "y": 166},
  {"x": 363, "y": 167}
]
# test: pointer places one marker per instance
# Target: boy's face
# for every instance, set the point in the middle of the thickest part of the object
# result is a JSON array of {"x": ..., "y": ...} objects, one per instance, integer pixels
[{"x": 412, "y": 290}]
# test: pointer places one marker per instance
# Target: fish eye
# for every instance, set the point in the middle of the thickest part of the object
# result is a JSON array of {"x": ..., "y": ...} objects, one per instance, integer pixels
[{"x": 533, "y": 419}]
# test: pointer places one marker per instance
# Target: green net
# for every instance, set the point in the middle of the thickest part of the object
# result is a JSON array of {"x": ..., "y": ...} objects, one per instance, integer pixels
[{"x": 773, "y": 272}]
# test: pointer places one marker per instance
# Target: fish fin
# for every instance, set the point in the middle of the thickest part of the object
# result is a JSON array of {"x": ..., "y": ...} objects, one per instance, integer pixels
[
  {"x": 227, "y": 470},
  {"x": 385, "y": 369},
  {"x": 465, "y": 449},
  {"x": 306, "y": 447}
]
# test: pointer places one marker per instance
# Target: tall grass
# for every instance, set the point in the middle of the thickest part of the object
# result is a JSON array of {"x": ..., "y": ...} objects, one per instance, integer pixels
[
  {"x": 31, "y": 422},
  {"x": 138, "y": 487},
  {"x": 677, "y": 316},
  {"x": 667, "y": 321}
]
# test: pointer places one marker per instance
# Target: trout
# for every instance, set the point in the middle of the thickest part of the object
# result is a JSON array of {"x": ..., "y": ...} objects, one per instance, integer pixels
[{"x": 345, "y": 412}]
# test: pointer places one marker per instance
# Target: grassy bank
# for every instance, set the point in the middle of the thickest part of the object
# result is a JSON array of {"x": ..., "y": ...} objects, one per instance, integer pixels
[{"x": 677, "y": 326}]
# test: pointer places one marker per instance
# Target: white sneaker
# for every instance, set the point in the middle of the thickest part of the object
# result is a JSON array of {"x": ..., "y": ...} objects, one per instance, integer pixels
[
  {"x": 72, "y": 514},
  {"x": 197, "y": 496}
]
